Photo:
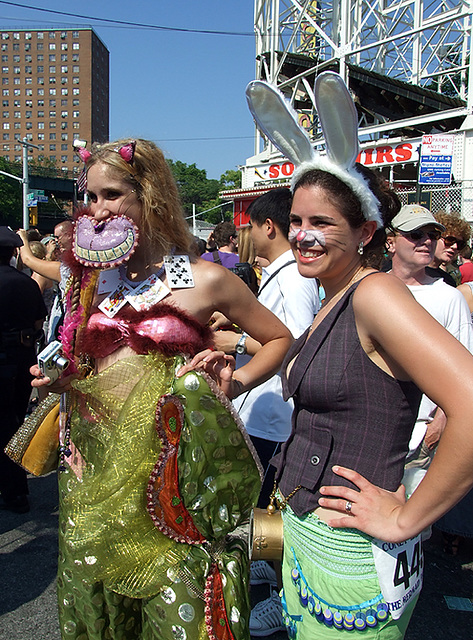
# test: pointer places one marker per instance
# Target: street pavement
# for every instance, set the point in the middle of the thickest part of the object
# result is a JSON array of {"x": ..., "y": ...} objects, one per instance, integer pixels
[{"x": 28, "y": 549}]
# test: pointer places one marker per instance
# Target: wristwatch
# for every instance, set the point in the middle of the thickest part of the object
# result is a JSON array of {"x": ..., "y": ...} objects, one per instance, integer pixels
[{"x": 240, "y": 346}]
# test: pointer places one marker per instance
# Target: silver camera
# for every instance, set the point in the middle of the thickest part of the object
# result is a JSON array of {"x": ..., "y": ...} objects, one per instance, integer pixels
[{"x": 51, "y": 361}]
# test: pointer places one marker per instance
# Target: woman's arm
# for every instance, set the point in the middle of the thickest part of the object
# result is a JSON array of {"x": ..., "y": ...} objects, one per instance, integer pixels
[
  {"x": 412, "y": 345},
  {"x": 46, "y": 268},
  {"x": 232, "y": 297}
]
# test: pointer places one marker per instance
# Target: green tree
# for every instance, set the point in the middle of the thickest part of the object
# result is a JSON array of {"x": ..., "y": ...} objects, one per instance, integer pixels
[{"x": 11, "y": 195}]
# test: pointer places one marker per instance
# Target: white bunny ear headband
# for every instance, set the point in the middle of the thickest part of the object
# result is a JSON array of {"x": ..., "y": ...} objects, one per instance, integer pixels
[{"x": 278, "y": 121}]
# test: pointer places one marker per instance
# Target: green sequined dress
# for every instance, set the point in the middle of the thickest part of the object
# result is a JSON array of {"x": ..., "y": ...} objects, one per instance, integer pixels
[{"x": 160, "y": 476}]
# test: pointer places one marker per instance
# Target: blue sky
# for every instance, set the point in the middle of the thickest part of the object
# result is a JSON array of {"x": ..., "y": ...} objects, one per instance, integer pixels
[{"x": 168, "y": 86}]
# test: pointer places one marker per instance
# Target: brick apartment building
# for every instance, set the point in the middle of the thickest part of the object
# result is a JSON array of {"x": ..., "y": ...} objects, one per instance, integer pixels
[{"x": 55, "y": 88}]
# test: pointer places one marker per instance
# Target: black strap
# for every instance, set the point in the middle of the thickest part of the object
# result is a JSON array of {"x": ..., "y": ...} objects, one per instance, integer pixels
[
  {"x": 274, "y": 275},
  {"x": 216, "y": 257}
]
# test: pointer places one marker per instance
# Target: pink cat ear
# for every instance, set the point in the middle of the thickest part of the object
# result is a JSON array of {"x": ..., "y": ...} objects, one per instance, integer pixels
[
  {"x": 127, "y": 151},
  {"x": 83, "y": 154}
]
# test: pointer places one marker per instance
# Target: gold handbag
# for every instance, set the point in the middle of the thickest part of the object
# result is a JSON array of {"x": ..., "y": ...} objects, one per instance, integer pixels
[{"x": 35, "y": 446}]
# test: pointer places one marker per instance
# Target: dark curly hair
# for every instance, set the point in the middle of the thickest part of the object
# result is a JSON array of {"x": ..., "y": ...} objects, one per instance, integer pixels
[{"x": 350, "y": 207}]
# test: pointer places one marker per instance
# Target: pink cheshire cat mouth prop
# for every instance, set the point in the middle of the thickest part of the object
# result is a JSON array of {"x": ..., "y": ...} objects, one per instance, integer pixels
[{"x": 104, "y": 244}]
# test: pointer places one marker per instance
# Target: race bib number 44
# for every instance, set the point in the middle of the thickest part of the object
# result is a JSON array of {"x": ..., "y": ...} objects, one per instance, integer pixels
[{"x": 399, "y": 567}]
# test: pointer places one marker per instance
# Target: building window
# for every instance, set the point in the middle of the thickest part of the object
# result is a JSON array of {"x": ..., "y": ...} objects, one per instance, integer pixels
[
  {"x": 64, "y": 92},
  {"x": 5, "y": 103},
  {"x": 28, "y": 114},
  {"x": 40, "y": 114},
  {"x": 64, "y": 46},
  {"x": 27, "y": 80},
  {"x": 64, "y": 136},
  {"x": 28, "y": 69},
  {"x": 29, "y": 125},
  {"x": 64, "y": 103},
  {"x": 17, "y": 114},
  {"x": 29, "y": 103},
  {"x": 75, "y": 68},
  {"x": 16, "y": 69},
  {"x": 52, "y": 103},
  {"x": 16, "y": 81},
  {"x": 16, "y": 36},
  {"x": 29, "y": 92},
  {"x": 17, "y": 158},
  {"x": 75, "y": 57},
  {"x": 75, "y": 114},
  {"x": 17, "y": 125},
  {"x": 40, "y": 136},
  {"x": 52, "y": 57},
  {"x": 4, "y": 47},
  {"x": 4, "y": 58},
  {"x": 17, "y": 136},
  {"x": 64, "y": 114},
  {"x": 63, "y": 125},
  {"x": 40, "y": 125},
  {"x": 64, "y": 80},
  {"x": 16, "y": 103},
  {"x": 40, "y": 68},
  {"x": 63, "y": 34},
  {"x": 64, "y": 147},
  {"x": 52, "y": 147},
  {"x": 28, "y": 58},
  {"x": 40, "y": 103},
  {"x": 4, "y": 69},
  {"x": 75, "y": 92},
  {"x": 27, "y": 35},
  {"x": 52, "y": 158},
  {"x": 64, "y": 158},
  {"x": 5, "y": 36},
  {"x": 52, "y": 114},
  {"x": 52, "y": 69},
  {"x": 16, "y": 58},
  {"x": 75, "y": 34},
  {"x": 6, "y": 114},
  {"x": 75, "y": 46},
  {"x": 52, "y": 47},
  {"x": 40, "y": 80},
  {"x": 40, "y": 57},
  {"x": 16, "y": 46},
  {"x": 40, "y": 46},
  {"x": 52, "y": 35},
  {"x": 52, "y": 92},
  {"x": 4, "y": 80},
  {"x": 5, "y": 92},
  {"x": 40, "y": 92},
  {"x": 75, "y": 102},
  {"x": 75, "y": 80},
  {"x": 52, "y": 125},
  {"x": 39, "y": 35},
  {"x": 75, "y": 125},
  {"x": 52, "y": 136},
  {"x": 6, "y": 125},
  {"x": 52, "y": 80},
  {"x": 63, "y": 57},
  {"x": 64, "y": 69},
  {"x": 6, "y": 136},
  {"x": 27, "y": 47}
]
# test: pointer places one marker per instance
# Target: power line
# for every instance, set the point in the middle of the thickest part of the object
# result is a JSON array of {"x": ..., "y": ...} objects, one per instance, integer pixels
[
  {"x": 205, "y": 139},
  {"x": 130, "y": 24}
]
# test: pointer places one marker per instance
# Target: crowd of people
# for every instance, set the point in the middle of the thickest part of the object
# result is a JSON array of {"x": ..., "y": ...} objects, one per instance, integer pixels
[{"x": 187, "y": 402}]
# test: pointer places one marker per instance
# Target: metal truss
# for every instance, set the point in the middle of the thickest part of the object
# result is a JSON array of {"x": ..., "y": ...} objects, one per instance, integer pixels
[{"x": 422, "y": 42}]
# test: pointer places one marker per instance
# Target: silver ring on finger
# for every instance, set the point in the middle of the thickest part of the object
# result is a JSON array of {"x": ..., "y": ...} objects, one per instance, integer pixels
[{"x": 348, "y": 506}]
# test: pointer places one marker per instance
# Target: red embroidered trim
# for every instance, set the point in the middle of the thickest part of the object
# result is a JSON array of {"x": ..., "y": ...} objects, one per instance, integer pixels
[
  {"x": 164, "y": 499},
  {"x": 216, "y": 620}
]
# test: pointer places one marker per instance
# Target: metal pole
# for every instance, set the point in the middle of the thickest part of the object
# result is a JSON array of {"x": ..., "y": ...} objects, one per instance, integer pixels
[
  {"x": 26, "y": 216},
  {"x": 194, "y": 225}
]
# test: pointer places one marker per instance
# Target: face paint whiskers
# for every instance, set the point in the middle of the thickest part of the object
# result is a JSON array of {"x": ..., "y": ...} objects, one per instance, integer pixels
[{"x": 307, "y": 238}]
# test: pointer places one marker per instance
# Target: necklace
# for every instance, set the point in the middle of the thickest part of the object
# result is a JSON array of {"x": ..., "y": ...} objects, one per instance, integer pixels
[{"x": 340, "y": 293}]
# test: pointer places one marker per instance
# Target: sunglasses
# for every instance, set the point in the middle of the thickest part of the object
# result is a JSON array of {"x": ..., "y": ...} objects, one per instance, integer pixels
[
  {"x": 419, "y": 234},
  {"x": 449, "y": 241}
]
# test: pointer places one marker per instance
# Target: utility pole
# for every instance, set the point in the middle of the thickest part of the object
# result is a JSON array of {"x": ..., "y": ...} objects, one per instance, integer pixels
[{"x": 24, "y": 180}]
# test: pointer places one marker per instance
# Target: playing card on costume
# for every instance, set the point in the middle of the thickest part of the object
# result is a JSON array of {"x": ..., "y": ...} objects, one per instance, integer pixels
[
  {"x": 178, "y": 272},
  {"x": 151, "y": 291},
  {"x": 115, "y": 301}
]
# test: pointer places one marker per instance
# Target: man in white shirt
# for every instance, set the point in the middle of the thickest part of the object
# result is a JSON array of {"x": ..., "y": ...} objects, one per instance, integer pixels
[
  {"x": 411, "y": 244},
  {"x": 266, "y": 416}
]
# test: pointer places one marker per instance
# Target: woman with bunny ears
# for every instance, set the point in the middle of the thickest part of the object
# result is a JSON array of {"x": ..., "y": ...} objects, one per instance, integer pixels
[{"x": 352, "y": 550}]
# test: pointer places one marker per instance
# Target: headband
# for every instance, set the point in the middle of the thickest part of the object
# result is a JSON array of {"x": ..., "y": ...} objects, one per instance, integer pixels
[{"x": 338, "y": 119}]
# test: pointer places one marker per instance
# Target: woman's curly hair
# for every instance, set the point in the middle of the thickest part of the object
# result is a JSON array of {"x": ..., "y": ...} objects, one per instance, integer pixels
[{"x": 454, "y": 224}]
